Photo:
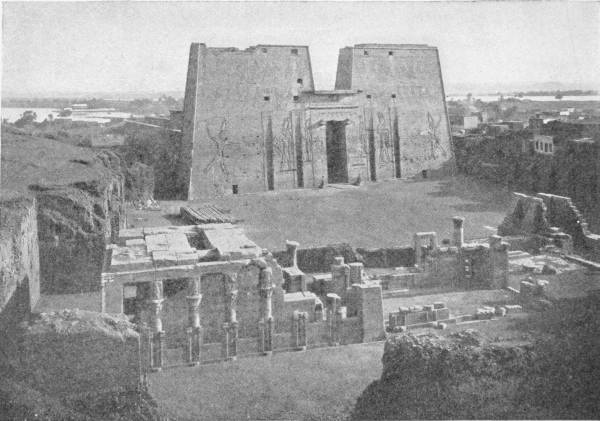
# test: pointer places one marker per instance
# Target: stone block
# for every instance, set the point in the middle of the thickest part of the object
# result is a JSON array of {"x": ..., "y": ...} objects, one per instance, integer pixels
[
  {"x": 526, "y": 289},
  {"x": 164, "y": 258},
  {"x": 210, "y": 255},
  {"x": 187, "y": 258},
  {"x": 441, "y": 314},
  {"x": 356, "y": 273},
  {"x": 135, "y": 242},
  {"x": 392, "y": 320},
  {"x": 178, "y": 242},
  {"x": 416, "y": 317},
  {"x": 129, "y": 234},
  {"x": 294, "y": 279},
  {"x": 548, "y": 269},
  {"x": 157, "y": 242},
  {"x": 484, "y": 313},
  {"x": 129, "y": 258}
]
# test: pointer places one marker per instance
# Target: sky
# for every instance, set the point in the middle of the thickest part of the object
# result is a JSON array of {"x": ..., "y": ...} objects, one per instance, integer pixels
[{"x": 84, "y": 47}]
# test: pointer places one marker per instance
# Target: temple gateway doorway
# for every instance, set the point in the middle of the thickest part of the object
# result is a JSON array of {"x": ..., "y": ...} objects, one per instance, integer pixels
[{"x": 337, "y": 162}]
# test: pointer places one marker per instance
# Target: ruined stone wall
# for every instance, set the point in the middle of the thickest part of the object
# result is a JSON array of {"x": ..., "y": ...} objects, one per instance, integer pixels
[
  {"x": 535, "y": 215},
  {"x": 226, "y": 116},
  {"x": 371, "y": 313},
  {"x": 573, "y": 170},
  {"x": 561, "y": 212},
  {"x": 443, "y": 269},
  {"x": 19, "y": 263},
  {"x": 388, "y": 257},
  {"x": 75, "y": 222},
  {"x": 407, "y": 100},
  {"x": 318, "y": 259}
]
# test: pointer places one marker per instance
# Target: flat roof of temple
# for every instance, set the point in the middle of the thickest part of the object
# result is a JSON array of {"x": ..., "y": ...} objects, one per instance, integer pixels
[
  {"x": 151, "y": 248},
  {"x": 395, "y": 46}
]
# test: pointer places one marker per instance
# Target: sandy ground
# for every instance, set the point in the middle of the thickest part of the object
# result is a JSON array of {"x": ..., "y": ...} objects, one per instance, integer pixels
[
  {"x": 320, "y": 384},
  {"x": 379, "y": 214},
  {"x": 463, "y": 302}
]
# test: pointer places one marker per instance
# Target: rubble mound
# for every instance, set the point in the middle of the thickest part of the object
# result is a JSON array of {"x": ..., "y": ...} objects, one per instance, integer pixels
[
  {"x": 441, "y": 377},
  {"x": 72, "y": 322},
  {"x": 528, "y": 217},
  {"x": 464, "y": 375}
]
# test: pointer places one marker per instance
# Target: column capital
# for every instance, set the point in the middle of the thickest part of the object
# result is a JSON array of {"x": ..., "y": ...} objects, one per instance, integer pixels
[
  {"x": 458, "y": 221},
  {"x": 107, "y": 278},
  {"x": 194, "y": 286},
  {"x": 156, "y": 290},
  {"x": 232, "y": 295},
  {"x": 193, "y": 298}
]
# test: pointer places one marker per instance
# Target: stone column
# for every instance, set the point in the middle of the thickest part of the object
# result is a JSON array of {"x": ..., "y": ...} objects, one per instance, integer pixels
[
  {"x": 458, "y": 235},
  {"x": 155, "y": 304},
  {"x": 299, "y": 330},
  {"x": 292, "y": 251},
  {"x": 231, "y": 327},
  {"x": 295, "y": 330},
  {"x": 498, "y": 262},
  {"x": 303, "y": 339},
  {"x": 418, "y": 250},
  {"x": 340, "y": 275},
  {"x": 332, "y": 317},
  {"x": 194, "y": 330},
  {"x": 266, "y": 322},
  {"x": 226, "y": 341}
]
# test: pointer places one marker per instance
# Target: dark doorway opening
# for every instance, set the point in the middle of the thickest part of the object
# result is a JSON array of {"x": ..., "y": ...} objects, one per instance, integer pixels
[{"x": 337, "y": 165}]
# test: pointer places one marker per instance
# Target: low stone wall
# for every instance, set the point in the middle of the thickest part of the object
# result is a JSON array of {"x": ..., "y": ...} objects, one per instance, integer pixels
[
  {"x": 388, "y": 257},
  {"x": 318, "y": 259},
  {"x": 536, "y": 215},
  {"x": 351, "y": 330}
]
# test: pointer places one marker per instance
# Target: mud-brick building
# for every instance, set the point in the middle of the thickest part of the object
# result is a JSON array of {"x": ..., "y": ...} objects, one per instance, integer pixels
[{"x": 253, "y": 120}]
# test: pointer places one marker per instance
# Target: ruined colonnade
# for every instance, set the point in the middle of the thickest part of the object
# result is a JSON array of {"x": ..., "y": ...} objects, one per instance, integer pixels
[{"x": 194, "y": 325}]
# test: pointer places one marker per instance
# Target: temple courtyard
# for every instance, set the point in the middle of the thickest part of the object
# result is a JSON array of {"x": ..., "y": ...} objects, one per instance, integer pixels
[{"x": 382, "y": 214}]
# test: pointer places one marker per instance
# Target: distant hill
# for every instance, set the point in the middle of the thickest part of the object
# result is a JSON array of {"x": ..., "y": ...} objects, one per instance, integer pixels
[{"x": 492, "y": 88}]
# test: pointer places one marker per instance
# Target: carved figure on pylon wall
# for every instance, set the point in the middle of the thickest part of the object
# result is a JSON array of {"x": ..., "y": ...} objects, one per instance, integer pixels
[
  {"x": 385, "y": 142},
  {"x": 217, "y": 169},
  {"x": 312, "y": 142},
  {"x": 284, "y": 146}
]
